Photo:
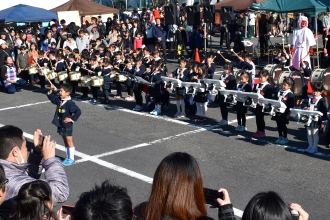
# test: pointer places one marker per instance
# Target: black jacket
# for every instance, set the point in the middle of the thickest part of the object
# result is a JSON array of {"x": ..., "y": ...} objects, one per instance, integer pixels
[
  {"x": 3, "y": 54},
  {"x": 68, "y": 110}
]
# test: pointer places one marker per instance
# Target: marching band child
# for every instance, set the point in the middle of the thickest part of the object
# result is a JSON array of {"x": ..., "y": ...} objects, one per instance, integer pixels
[
  {"x": 264, "y": 88},
  {"x": 67, "y": 112},
  {"x": 181, "y": 73},
  {"x": 138, "y": 70},
  {"x": 94, "y": 70},
  {"x": 43, "y": 62},
  {"x": 229, "y": 79},
  {"x": 85, "y": 66},
  {"x": 201, "y": 95},
  {"x": 210, "y": 72},
  {"x": 315, "y": 103},
  {"x": 282, "y": 117},
  {"x": 72, "y": 65},
  {"x": 155, "y": 92},
  {"x": 241, "y": 110},
  {"x": 52, "y": 63},
  {"x": 60, "y": 66},
  {"x": 107, "y": 81}
]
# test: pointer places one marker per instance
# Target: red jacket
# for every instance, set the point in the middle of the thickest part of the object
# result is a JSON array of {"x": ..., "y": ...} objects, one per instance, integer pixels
[{"x": 138, "y": 43}]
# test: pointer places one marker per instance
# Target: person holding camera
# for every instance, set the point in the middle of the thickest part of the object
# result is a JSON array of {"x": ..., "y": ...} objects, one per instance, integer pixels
[
  {"x": 21, "y": 168},
  {"x": 177, "y": 192}
]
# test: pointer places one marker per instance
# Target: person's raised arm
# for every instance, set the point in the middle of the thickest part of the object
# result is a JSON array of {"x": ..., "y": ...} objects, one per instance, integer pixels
[{"x": 225, "y": 211}]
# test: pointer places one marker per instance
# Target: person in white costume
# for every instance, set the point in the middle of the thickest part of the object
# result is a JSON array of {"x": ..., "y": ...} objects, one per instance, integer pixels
[{"x": 302, "y": 40}]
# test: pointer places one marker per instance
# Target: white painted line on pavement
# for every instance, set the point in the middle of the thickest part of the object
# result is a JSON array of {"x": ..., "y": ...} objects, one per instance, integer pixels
[
  {"x": 119, "y": 169},
  {"x": 22, "y": 106}
]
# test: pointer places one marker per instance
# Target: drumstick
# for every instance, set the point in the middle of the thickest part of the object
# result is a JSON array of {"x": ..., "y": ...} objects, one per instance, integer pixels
[
  {"x": 45, "y": 74},
  {"x": 283, "y": 43},
  {"x": 326, "y": 42},
  {"x": 232, "y": 50},
  {"x": 218, "y": 52}
]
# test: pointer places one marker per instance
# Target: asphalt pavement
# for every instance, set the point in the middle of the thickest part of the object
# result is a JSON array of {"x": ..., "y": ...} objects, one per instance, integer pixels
[{"x": 115, "y": 143}]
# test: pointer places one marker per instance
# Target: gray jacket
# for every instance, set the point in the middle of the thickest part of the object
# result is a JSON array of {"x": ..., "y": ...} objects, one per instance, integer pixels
[{"x": 19, "y": 174}]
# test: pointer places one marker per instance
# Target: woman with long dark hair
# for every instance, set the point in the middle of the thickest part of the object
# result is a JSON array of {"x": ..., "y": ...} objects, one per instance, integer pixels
[
  {"x": 177, "y": 192},
  {"x": 34, "y": 202},
  {"x": 270, "y": 205}
]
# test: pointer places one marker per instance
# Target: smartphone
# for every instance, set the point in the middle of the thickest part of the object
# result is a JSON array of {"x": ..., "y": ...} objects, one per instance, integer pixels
[
  {"x": 211, "y": 196},
  {"x": 41, "y": 140},
  {"x": 67, "y": 209}
]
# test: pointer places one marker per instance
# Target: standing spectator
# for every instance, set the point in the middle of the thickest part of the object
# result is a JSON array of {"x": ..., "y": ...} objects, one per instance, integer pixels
[
  {"x": 3, "y": 187},
  {"x": 159, "y": 35},
  {"x": 21, "y": 168},
  {"x": 22, "y": 40},
  {"x": 112, "y": 37},
  {"x": 263, "y": 34},
  {"x": 92, "y": 31},
  {"x": 252, "y": 23},
  {"x": 149, "y": 40},
  {"x": 11, "y": 40},
  {"x": 70, "y": 42},
  {"x": 82, "y": 41},
  {"x": 138, "y": 41},
  {"x": 47, "y": 42},
  {"x": 23, "y": 64},
  {"x": 4, "y": 52},
  {"x": 326, "y": 26}
]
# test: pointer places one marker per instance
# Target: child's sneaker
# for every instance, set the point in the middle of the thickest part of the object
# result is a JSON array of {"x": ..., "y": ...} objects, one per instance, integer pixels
[
  {"x": 129, "y": 98},
  {"x": 243, "y": 128},
  {"x": 313, "y": 150},
  {"x": 157, "y": 112},
  {"x": 284, "y": 141},
  {"x": 308, "y": 149},
  {"x": 152, "y": 112},
  {"x": 137, "y": 108},
  {"x": 177, "y": 115},
  {"x": 117, "y": 96},
  {"x": 260, "y": 134},
  {"x": 68, "y": 162},
  {"x": 223, "y": 122},
  {"x": 182, "y": 115},
  {"x": 256, "y": 134},
  {"x": 278, "y": 140},
  {"x": 238, "y": 128}
]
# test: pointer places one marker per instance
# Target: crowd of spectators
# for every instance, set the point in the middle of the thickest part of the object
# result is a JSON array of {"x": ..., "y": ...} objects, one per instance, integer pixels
[{"x": 177, "y": 190}]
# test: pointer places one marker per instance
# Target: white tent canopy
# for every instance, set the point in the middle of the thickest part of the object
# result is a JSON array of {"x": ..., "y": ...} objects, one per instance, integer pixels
[{"x": 45, "y": 4}]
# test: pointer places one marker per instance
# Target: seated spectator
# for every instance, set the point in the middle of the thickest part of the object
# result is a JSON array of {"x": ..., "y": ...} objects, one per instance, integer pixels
[
  {"x": 269, "y": 205},
  {"x": 177, "y": 192},
  {"x": 106, "y": 202},
  {"x": 21, "y": 169},
  {"x": 34, "y": 201},
  {"x": 9, "y": 78}
]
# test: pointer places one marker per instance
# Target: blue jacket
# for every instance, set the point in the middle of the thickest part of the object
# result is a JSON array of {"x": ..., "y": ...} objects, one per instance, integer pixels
[
  {"x": 68, "y": 110},
  {"x": 159, "y": 32},
  {"x": 140, "y": 72},
  {"x": 195, "y": 41}
]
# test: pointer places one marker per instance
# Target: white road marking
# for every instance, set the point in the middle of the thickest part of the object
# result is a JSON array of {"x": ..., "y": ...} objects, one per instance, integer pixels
[{"x": 22, "y": 106}]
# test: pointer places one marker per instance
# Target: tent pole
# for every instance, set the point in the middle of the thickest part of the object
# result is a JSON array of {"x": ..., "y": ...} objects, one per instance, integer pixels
[{"x": 317, "y": 44}]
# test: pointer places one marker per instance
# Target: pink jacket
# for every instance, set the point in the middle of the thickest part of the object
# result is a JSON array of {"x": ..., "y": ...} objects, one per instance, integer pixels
[{"x": 138, "y": 43}]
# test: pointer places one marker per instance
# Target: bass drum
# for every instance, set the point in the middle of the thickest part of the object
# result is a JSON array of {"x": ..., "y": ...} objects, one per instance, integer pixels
[{"x": 298, "y": 83}]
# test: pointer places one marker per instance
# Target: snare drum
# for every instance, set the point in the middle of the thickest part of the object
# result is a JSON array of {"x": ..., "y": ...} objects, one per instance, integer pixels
[
  {"x": 62, "y": 76},
  {"x": 317, "y": 75},
  {"x": 85, "y": 81},
  {"x": 51, "y": 75},
  {"x": 33, "y": 70},
  {"x": 43, "y": 71},
  {"x": 97, "y": 81},
  {"x": 121, "y": 78},
  {"x": 74, "y": 76}
]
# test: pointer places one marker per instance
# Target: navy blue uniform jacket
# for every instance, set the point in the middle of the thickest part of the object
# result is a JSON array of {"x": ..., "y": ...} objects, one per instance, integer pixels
[
  {"x": 68, "y": 110},
  {"x": 321, "y": 107}
]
